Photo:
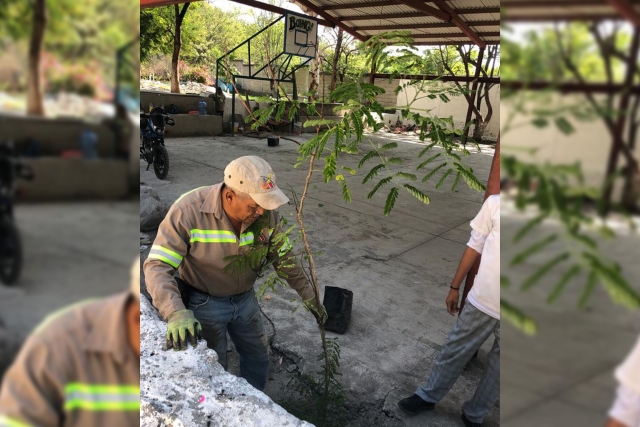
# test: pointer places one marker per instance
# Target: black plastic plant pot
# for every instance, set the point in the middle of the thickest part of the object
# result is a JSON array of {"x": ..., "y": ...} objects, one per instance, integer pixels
[{"x": 338, "y": 302}]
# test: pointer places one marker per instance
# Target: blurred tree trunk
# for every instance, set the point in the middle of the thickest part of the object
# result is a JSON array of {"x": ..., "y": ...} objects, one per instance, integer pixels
[
  {"x": 336, "y": 59},
  {"x": 34, "y": 90},
  {"x": 177, "y": 44}
]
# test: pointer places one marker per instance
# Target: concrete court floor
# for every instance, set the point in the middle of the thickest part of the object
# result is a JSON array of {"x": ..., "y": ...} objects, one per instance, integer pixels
[
  {"x": 399, "y": 269},
  {"x": 563, "y": 376},
  {"x": 72, "y": 251}
]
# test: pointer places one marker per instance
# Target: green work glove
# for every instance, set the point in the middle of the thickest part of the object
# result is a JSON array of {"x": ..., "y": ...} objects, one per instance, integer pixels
[{"x": 182, "y": 326}]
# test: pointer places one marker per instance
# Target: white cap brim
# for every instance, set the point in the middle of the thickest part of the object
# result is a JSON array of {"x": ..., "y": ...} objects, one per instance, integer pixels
[{"x": 271, "y": 200}]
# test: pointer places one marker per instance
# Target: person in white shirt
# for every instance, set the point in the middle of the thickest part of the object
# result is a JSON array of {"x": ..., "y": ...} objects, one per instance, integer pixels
[
  {"x": 476, "y": 323},
  {"x": 625, "y": 411}
]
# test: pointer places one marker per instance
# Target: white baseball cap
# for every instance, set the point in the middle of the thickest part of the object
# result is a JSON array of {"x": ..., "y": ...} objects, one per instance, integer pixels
[{"x": 254, "y": 176}]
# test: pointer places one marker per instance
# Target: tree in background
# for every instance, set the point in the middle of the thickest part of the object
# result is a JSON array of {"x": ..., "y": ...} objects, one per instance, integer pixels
[
  {"x": 467, "y": 62},
  {"x": 71, "y": 32}
]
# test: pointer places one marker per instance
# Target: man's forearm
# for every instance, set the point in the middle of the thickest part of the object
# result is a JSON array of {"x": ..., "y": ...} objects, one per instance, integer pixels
[
  {"x": 466, "y": 262},
  {"x": 615, "y": 423}
]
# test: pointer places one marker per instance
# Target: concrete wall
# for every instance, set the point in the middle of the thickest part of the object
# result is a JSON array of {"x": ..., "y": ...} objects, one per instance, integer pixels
[
  {"x": 184, "y": 102},
  {"x": 590, "y": 144},
  {"x": 72, "y": 179},
  {"x": 55, "y": 135},
  {"x": 191, "y": 125},
  {"x": 456, "y": 107},
  {"x": 261, "y": 86}
]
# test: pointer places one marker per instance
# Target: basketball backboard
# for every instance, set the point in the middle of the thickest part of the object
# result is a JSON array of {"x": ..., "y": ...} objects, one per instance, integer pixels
[{"x": 300, "y": 35}]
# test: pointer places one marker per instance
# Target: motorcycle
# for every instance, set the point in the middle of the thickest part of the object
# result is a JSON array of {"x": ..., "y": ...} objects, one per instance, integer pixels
[
  {"x": 10, "y": 242},
  {"x": 152, "y": 148}
]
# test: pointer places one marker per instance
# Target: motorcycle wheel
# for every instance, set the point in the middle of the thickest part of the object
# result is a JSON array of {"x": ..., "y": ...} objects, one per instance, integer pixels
[
  {"x": 10, "y": 253},
  {"x": 161, "y": 162}
]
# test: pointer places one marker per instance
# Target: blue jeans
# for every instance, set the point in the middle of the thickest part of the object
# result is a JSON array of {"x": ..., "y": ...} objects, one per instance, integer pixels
[
  {"x": 240, "y": 316},
  {"x": 470, "y": 331}
]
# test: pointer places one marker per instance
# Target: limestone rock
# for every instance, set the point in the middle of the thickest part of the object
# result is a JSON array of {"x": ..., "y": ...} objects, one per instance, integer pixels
[
  {"x": 152, "y": 210},
  {"x": 190, "y": 389}
]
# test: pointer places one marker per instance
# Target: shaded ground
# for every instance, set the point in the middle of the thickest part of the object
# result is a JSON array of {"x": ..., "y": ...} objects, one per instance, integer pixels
[
  {"x": 564, "y": 375},
  {"x": 399, "y": 269}
]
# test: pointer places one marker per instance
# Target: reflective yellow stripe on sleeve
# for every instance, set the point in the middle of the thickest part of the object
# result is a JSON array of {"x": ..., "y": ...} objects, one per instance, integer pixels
[
  {"x": 12, "y": 422},
  {"x": 212, "y": 236},
  {"x": 94, "y": 397},
  {"x": 166, "y": 255}
]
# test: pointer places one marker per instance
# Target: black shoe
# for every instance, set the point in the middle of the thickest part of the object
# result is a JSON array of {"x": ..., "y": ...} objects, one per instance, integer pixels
[
  {"x": 415, "y": 404},
  {"x": 468, "y": 423}
]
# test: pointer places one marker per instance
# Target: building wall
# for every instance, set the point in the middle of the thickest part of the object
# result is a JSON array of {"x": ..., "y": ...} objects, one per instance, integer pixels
[{"x": 589, "y": 145}]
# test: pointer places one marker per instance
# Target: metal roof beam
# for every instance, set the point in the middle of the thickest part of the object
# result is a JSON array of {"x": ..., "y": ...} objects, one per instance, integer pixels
[
  {"x": 428, "y": 10},
  {"x": 460, "y": 23},
  {"x": 446, "y": 35},
  {"x": 543, "y": 4},
  {"x": 454, "y": 43},
  {"x": 423, "y": 26},
  {"x": 411, "y": 15},
  {"x": 569, "y": 87},
  {"x": 335, "y": 21},
  {"x": 626, "y": 10},
  {"x": 275, "y": 9},
  {"x": 146, "y": 4},
  {"x": 460, "y": 11},
  {"x": 567, "y": 16}
]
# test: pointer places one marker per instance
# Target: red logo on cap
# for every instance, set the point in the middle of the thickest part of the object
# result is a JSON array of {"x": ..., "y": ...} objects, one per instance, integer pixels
[{"x": 267, "y": 183}]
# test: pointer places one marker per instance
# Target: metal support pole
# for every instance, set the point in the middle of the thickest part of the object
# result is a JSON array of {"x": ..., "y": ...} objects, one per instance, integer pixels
[
  {"x": 620, "y": 123},
  {"x": 493, "y": 187},
  {"x": 249, "y": 50},
  {"x": 474, "y": 90},
  {"x": 233, "y": 103}
]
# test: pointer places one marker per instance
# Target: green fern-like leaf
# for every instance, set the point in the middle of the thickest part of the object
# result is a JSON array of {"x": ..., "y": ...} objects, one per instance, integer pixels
[
  {"x": 433, "y": 172},
  {"x": 391, "y": 200},
  {"x": 388, "y": 146},
  {"x": 331, "y": 164},
  {"x": 427, "y": 148},
  {"x": 346, "y": 192},
  {"x": 417, "y": 194},
  {"x": 429, "y": 160},
  {"x": 373, "y": 172},
  {"x": 528, "y": 227},
  {"x": 456, "y": 181},
  {"x": 531, "y": 250},
  {"x": 588, "y": 290},
  {"x": 408, "y": 176},
  {"x": 535, "y": 277},
  {"x": 517, "y": 318},
  {"x": 379, "y": 185},
  {"x": 366, "y": 157},
  {"x": 444, "y": 177},
  {"x": 395, "y": 161},
  {"x": 564, "y": 280},
  {"x": 471, "y": 180}
]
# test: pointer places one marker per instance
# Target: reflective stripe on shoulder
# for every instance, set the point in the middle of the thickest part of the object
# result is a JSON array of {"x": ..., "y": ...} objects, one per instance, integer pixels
[
  {"x": 12, "y": 422},
  {"x": 188, "y": 192},
  {"x": 286, "y": 246},
  {"x": 212, "y": 236},
  {"x": 166, "y": 255},
  {"x": 60, "y": 312},
  {"x": 246, "y": 238},
  {"x": 96, "y": 397}
]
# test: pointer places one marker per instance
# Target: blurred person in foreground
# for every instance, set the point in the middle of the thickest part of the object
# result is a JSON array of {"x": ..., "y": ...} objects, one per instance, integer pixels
[
  {"x": 476, "y": 323},
  {"x": 625, "y": 411},
  {"x": 80, "y": 367},
  {"x": 201, "y": 229}
]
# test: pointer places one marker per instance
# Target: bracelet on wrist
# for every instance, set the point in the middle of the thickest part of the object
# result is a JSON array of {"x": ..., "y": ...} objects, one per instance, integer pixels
[{"x": 457, "y": 289}]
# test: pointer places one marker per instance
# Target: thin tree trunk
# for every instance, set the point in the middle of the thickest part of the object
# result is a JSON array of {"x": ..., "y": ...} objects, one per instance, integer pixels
[
  {"x": 336, "y": 59},
  {"x": 177, "y": 44},
  {"x": 35, "y": 104}
]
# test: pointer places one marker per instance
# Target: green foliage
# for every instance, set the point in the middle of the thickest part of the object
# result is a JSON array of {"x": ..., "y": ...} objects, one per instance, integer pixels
[{"x": 517, "y": 318}]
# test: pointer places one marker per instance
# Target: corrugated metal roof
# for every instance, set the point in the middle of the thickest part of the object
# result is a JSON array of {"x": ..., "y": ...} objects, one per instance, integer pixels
[
  {"x": 560, "y": 10},
  {"x": 370, "y": 17}
]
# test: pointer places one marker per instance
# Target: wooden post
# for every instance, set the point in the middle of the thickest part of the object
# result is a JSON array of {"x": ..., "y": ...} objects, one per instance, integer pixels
[{"x": 474, "y": 90}]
